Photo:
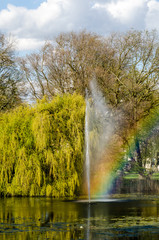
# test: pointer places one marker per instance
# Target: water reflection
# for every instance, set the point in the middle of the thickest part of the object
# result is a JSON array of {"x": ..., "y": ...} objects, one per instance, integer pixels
[
  {"x": 88, "y": 221},
  {"x": 44, "y": 218}
]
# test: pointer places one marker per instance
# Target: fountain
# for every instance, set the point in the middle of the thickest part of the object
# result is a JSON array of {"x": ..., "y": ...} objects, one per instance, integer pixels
[
  {"x": 87, "y": 145},
  {"x": 106, "y": 153},
  {"x": 99, "y": 128}
]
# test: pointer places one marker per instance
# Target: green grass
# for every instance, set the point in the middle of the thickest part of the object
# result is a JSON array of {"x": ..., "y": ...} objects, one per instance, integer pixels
[
  {"x": 155, "y": 176},
  {"x": 135, "y": 175},
  {"x": 131, "y": 176}
]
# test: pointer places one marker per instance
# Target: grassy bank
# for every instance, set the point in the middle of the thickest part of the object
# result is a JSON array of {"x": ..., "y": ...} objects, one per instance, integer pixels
[{"x": 135, "y": 175}]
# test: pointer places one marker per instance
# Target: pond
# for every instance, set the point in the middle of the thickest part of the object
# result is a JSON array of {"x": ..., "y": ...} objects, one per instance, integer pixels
[{"x": 121, "y": 217}]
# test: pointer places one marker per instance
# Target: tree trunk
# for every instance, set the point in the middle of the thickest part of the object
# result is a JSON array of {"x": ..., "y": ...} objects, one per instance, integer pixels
[{"x": 139, "y": 158}]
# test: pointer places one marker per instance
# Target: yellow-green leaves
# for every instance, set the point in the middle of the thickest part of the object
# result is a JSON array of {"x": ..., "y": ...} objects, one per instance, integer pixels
[{"x": 41, "y": 148}]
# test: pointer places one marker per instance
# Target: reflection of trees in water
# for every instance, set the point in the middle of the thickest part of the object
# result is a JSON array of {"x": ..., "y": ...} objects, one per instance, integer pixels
[
  {"x": 42, "y": 218},
  {"x": 39, "y": 218}
]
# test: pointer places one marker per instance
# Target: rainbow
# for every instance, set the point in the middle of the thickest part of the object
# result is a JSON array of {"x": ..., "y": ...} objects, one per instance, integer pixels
[{"x": 112, "y": 160}]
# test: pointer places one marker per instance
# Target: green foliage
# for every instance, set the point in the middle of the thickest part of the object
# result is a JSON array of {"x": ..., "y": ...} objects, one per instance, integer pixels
[
  {"x": 132, "y": 176},
  {"x": 155, "y": 176},
  {"x": 41, "y": 148}
]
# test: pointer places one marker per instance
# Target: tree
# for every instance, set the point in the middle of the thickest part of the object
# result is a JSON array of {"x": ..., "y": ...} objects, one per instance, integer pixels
[
  {"x": 66, "y": 65},
  {"x": 133, "y": 85},
  {"x": 125, "y": 66},
  {"x": 41, "y": 148},
  {"x": 9, "y": 78}
]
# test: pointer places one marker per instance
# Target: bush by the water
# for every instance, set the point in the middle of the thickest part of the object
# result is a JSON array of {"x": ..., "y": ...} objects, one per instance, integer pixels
[{"x": 41, "y": 148}]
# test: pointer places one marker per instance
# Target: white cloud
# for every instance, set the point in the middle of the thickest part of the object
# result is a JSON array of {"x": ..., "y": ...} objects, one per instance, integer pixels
[
  {"x": 33, "y": 26},
  {"x": 48, "y": 11},
  {"x": 9, "y": 18},
  {"x": 152, "y": 18},
  {"x": 51, "y": 17},
  {"x": 20, "y": 19},
  {"x": 24, "y": 44},
  {"x": 122, "y": 10}
]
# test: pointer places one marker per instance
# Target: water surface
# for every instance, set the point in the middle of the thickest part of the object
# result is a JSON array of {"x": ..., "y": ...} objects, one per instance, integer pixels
[{"x": 44, "y": 218}]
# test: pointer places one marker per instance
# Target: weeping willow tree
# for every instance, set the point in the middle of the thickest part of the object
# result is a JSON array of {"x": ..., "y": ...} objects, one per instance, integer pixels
[{"x": 41, "y": 148}]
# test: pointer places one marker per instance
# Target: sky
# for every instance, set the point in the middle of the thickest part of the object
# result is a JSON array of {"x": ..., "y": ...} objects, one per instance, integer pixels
[{"x": 32, "y": 22}]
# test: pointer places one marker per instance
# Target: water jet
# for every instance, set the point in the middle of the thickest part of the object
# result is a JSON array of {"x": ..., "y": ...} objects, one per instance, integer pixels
[{"x": 99, "y": 128}]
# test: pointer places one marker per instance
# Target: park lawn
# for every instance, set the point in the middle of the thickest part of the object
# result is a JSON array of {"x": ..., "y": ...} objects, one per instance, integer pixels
[
  {"x": 155, "y": 176},
  {"x": 132, "y": 175}
]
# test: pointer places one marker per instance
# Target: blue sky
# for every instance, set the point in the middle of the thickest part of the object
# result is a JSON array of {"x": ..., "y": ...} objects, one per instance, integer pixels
[
  {"x": 23, "y": 3},
  {"x": 33, "y": 22}
]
